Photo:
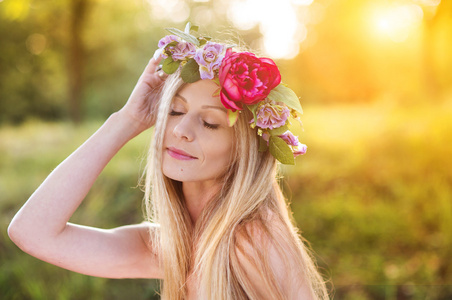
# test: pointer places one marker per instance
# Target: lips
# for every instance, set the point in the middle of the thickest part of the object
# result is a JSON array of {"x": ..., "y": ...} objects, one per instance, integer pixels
[{"x": 179, "y": 154}]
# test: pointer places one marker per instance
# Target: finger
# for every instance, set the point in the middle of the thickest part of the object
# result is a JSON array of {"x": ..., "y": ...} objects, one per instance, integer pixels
[
  {"x": 162, "y": 75},
  {"x": 152, "y": 65}
]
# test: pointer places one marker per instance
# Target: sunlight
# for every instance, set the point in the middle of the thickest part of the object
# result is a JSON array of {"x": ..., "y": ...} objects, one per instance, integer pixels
[
  {"x": 429, "y": 2},
  {"x": 15, "y": 10},
  {"x": 281, "y": 29},
  {"x": 174, "y": 10},
  {"x": 302, "y": 2},
  {"x": 282, "y": 23},
  {"x": 398, "y": 21}
]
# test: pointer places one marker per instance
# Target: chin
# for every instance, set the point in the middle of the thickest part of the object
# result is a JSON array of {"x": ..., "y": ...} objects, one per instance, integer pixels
[
  {"x": 177, "y": 176},
  {"x": 191, "y": 171},
  {"x": 178, "y": 171},
  {"x": 189, "y": 174}
]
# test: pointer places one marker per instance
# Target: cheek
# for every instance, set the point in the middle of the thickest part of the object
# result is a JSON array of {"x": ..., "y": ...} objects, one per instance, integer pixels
[
  {"x": 219, "y": 149},
  {"x": 168, "y": 131}
]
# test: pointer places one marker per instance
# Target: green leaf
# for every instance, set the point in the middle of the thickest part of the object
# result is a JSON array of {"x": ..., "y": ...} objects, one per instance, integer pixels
[
  {"x": 173, "y": 43},
  {"x": 281, "y": 151},
  {"x": 282, "y": 93},
  {"x": 252, "y": 109},
  {"x": 262, "y": 145},
  {"x": 279, "y": 130},
  {"x": 190, "y": 71},
  {"x": 189, "y": 27},
  {"x": 203, "y": 40},
  {"x": 232, "y": 117},
  {"x": 216, "y": 80},
  {"x": 170, "y": 66},
  {"x": 185, "y": 36},
  {"x": 217, "y": 92}
]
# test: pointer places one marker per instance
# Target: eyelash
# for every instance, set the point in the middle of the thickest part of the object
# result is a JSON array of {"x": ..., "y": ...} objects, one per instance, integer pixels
[
  {"x": 207, "y": 125},
  {"x": 210, "y": 126},
  {"x": 175, "y": 113}
]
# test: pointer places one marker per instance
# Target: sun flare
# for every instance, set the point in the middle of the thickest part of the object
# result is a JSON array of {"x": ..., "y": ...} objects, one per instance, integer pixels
[
  {"x": 279, "y": 24},
  {"x": 397, "y": 21}
]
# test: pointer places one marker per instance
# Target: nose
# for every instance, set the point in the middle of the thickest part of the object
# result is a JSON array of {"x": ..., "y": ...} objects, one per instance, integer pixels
[{"x": 184, "y": 129}]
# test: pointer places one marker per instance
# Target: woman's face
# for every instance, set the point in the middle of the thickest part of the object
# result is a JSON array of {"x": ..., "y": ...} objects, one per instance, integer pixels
[{"x": 198, "y": 141}]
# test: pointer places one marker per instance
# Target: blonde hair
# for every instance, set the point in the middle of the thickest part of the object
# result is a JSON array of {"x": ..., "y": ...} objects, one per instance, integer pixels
[{"x": 229, "y": 222}]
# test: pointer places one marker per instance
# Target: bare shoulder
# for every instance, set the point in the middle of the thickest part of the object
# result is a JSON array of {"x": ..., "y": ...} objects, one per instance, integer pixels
[
  {"x": 142, "y": 240},
  {"x": 269, "y": 264}
]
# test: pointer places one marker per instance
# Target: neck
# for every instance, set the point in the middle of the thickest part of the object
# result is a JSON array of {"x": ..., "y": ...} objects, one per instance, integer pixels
[{"x": 197, "y": 195}]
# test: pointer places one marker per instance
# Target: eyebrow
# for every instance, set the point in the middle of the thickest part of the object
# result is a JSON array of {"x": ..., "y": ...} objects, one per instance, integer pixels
[{"x": 204, "y": 106}]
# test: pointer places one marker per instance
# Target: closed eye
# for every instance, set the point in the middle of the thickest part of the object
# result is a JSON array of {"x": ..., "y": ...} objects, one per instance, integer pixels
[
  {"x": 211, "y": 126},
  {"x": 207, "y": 125},
  {"x": 175, "y": 113}
]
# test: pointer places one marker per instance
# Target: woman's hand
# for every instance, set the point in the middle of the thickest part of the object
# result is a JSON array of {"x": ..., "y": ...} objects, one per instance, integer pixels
[{"x": 141, "y": 108}]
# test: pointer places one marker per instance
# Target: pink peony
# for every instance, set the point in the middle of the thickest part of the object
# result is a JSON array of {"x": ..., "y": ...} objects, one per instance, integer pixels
[
  {"x": 183, "y": 50},
  {"x": 246, "y": 79},
  {"x": 209, "y": 59},
  {"x": 272, "y": 116}
]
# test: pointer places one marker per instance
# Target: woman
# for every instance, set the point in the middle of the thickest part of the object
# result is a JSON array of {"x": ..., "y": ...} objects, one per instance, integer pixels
[{"x": 218, "y": 226}]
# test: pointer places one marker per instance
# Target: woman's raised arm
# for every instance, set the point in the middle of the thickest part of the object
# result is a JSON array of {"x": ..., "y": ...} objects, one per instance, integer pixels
[{"x": 41, "y": 226}]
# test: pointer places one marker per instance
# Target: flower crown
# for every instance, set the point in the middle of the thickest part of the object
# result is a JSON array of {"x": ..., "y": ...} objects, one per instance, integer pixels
[{"x": 244, "y": 81}]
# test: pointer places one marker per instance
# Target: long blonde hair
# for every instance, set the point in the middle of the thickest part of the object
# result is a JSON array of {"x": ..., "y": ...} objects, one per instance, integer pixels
[{"x": 209, "y": 248}]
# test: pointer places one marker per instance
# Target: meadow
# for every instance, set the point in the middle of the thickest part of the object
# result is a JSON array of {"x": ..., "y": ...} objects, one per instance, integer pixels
[{"x": 372, "y": 196}]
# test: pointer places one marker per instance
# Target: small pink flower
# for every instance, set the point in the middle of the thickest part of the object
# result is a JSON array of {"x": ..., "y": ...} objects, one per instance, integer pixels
[
  {"x": 168, "y": 39},
  {"x": 272, "y": 116},
  {"x": 183, "y": 50},
  {"x": 209, "y": 59},
  {"x": 266, "y": 136},
  {"x": 300, "y": 150},
  {"x": 290, "y": 139}
]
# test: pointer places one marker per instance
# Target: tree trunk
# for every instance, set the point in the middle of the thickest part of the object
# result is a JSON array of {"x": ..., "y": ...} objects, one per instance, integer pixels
[{"x": 76, "y": 58}]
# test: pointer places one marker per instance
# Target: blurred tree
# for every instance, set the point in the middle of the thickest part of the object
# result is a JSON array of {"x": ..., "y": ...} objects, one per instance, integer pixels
[
  {"x": 29, "y": 63},
  {"x": 46, "y": 46},
  {"x": 76, "y": 56},
  {"x": 81, "y": 58}
]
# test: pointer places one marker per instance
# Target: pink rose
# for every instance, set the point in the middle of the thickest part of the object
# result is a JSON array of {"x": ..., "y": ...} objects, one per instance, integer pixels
[
  {"x": 209, "y": 59},
  {"x": 246, "y": 79},
  {"x": 168, "y": 39},
  {"x": 271, "y": 116},
  {"x": 183, "y": 50},
  {"x": 290, "y": 139},
  {"x": 300, "y": 150}
]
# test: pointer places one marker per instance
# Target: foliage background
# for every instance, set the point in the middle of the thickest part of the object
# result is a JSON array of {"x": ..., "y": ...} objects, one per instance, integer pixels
[{"x": 373, "y": 193}]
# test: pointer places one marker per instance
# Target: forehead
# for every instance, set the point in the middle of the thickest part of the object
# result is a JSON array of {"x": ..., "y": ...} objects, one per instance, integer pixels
[{"x": 200, "y": 92}]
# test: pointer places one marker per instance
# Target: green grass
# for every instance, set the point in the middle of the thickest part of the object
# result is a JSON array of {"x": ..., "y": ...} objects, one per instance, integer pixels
[
  {"x": 27, "y": 155},
  {"x": 372, "y": 196}
]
